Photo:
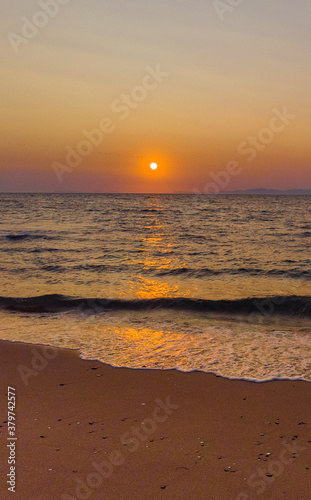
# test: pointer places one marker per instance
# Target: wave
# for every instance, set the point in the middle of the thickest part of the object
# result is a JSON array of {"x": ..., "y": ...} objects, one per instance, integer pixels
[
  {"x": 150, "y": 210},
  {"x": 26, "y": 236},
  {"x": 204, "y": 272},
  {"x": 15, "y": 237},
  {"x": 266, "y": 306}
]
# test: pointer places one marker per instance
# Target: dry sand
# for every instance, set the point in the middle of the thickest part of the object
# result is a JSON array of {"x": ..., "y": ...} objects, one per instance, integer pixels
[{"x": 87, "y": 430}]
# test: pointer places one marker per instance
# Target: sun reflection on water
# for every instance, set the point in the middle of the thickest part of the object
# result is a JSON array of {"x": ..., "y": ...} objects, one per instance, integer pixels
[{"x": 157, "y": 254}]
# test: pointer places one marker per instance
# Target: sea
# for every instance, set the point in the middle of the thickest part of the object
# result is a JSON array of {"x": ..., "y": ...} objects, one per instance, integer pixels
[{"x": 216, "y": 283}]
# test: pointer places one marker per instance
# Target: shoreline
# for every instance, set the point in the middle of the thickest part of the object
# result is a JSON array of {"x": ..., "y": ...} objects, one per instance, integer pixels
[
  {"x": 197, "y": 370},
  {"x": 88, "y": 429}
]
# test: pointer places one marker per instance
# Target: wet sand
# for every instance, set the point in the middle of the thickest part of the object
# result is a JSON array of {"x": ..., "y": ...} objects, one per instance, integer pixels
[{"x": 88, "y": 430}]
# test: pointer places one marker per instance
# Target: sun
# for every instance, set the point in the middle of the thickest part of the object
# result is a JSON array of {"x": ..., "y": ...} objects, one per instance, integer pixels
[{"x": 153, "y": 166}]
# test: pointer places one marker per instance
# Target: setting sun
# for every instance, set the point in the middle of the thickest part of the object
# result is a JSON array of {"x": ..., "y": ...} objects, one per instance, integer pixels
[{"x": 153, "y": 166}]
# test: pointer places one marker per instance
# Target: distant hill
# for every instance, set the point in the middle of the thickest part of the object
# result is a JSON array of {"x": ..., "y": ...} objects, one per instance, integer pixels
[{"x": 301, "y": 192}]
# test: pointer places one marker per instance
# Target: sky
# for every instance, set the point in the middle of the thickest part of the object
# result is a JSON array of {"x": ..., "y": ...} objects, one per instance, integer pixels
[{"x": 217, "y": 93}]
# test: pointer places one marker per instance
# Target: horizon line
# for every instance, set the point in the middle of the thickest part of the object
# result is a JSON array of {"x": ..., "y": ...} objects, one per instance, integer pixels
[{"x": 254, "y": 191}]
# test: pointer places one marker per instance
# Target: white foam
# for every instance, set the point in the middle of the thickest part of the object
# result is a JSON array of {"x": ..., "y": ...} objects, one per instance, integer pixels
[{"x": 183, "y": 341}]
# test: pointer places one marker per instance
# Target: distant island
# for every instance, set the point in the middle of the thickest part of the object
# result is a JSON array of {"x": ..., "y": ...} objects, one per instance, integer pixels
[
  {"x": 302, "y": 192},
  {"x": 258, "y": 191}
]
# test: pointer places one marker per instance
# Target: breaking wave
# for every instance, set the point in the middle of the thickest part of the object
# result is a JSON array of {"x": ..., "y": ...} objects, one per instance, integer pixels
[{"x": 283, "y": 305}]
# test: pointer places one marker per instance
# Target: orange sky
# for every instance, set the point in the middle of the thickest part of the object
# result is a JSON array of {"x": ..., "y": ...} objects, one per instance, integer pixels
[{"x": 120, "y": 85}]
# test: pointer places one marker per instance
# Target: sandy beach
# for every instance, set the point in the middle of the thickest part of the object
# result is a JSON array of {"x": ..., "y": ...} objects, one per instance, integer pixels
[{"x": 88, "y": 430}]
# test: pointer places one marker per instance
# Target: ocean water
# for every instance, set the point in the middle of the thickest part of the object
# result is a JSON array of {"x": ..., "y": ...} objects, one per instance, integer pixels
[{"x": 194, "y": 282}]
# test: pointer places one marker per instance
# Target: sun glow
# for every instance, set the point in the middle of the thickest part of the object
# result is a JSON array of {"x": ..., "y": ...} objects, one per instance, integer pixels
[{"x": 153, "y": 166}]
